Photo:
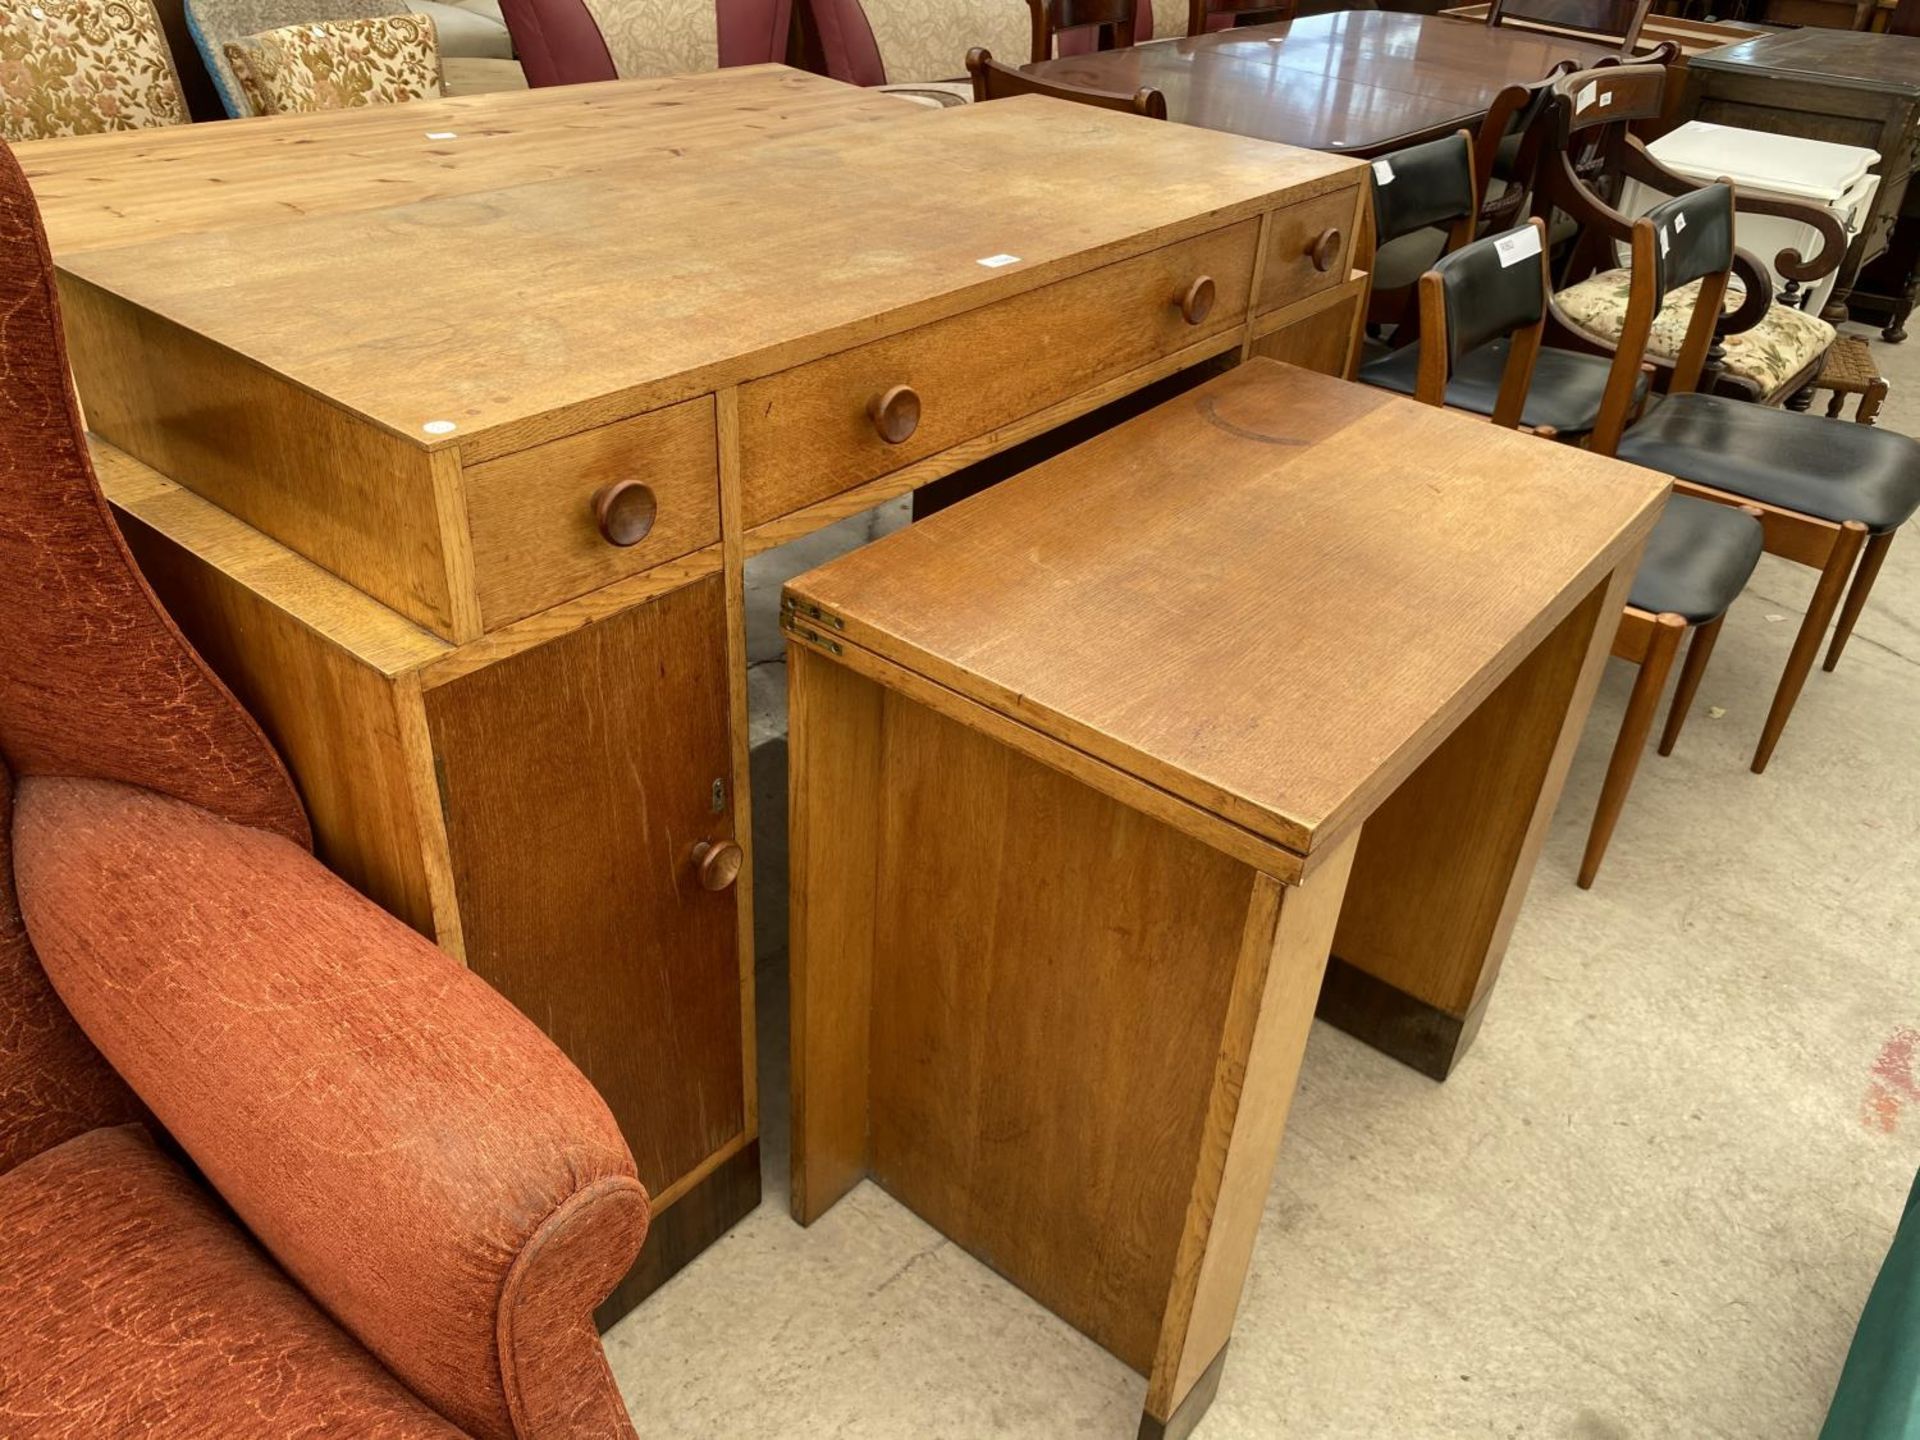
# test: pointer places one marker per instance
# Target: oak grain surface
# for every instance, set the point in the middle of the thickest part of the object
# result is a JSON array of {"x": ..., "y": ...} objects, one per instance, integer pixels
[
  {"x": 688, "y": 277},
  {"x": 1337, "y": 578}
]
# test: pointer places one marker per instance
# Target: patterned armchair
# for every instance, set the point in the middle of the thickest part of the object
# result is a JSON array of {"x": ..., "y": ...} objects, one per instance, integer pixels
[
  {"x": 433, "y": 1198},
  {"x": 572, "y": 42},
  {"x": 337, "y": 65},
  {"x": 79, "y": 67}
]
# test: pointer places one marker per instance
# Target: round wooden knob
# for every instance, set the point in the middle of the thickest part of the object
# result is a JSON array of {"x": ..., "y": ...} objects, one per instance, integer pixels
[
  {"x": 624, "y": 512},
  {"x": 896, "y": 413},
  {"x": 1325, "y": 250},
  {"x": 1197, "y": 303},
  {"x": 717, "y": 863}
]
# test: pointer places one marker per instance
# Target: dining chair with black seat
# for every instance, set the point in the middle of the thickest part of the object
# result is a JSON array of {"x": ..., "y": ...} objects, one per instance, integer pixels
[
  {"x": 1493, "y": 293},
  {"x": 1826, "y": 489},
  {"x": 1435, "y": 185},
  {"x": 1615, "y": 21},
  {"x": 1765, "y": 350},
  {"x": 995, "y": 81}
]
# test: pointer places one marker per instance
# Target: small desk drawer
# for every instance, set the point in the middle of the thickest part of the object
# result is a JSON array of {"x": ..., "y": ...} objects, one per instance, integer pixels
[
  {"x": 538, "y": 538},
  {"x": 809, "y": 433},
  {"x": 1309, "y": 249}
]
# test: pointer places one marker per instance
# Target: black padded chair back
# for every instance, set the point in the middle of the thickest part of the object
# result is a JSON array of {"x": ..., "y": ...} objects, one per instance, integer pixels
[
  {"x": 1494, "y": 288},
  {"x": 1422, "y": 185},
  {"x": 1693, "y": 237}
]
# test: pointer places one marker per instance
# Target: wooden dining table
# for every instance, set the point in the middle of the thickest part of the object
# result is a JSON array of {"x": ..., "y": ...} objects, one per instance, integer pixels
[{"x": 1357, "y": 82}]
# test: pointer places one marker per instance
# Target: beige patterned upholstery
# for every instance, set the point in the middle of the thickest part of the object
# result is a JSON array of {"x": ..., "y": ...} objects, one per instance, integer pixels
[
  {"x": 922, "y": 40},
  {"x": 338, "y": 64},
  {"x": 658, "y": 37},
  {"x": 77, "y": 67},
  {"x": 1785, "y": 342}
]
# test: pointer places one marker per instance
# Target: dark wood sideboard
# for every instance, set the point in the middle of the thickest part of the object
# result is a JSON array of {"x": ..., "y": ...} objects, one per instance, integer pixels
[{"x": 1853, "y": 88}]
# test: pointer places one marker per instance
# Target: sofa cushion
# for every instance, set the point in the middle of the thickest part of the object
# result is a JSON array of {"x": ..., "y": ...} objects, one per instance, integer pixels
[
  {"x": 79, "y": 67},
  {"x": 1784, "y": 343},
  {"x": 338, "y": 64},
  {"x": 132, "y": 1306},
  {"x": 215, "y": 23},
  {"x": 467, "y": 32}
]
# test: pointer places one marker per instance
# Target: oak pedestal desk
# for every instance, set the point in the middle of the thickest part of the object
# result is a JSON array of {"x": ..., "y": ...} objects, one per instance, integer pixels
[
  {"x": 1072, "y": 818},
  {"x": 446, "y": 432}
]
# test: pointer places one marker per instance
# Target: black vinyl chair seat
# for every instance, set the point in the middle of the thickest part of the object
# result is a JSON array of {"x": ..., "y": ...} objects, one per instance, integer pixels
[
  {"x": 1834, "y": 469},
  {"x": 1698, "y": 560},
  {"x": 1565, "y": 393}
]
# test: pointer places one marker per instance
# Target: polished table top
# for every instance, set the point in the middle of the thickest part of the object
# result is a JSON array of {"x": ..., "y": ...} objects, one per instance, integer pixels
[{"x": 1357, "y": 82}]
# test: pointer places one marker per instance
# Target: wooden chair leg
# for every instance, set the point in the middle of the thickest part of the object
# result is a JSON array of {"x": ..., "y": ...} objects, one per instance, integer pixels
[
  {"x": 1863, "y": 578},
  {"x": 1699, "y": 651},
  {"x": 1826, "y": 598},
  {"x": 1662, "y": 645},
  {"x": 1869, "y": 408}
]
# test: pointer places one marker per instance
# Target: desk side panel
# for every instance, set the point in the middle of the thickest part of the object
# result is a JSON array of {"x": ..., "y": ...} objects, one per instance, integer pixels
[{"x": 350, "y": 497}]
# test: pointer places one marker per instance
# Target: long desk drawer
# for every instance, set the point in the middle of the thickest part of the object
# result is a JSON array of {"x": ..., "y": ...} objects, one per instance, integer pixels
[
  {"x": 811, "y": 432},
  {"x": 539, "y": 534}
]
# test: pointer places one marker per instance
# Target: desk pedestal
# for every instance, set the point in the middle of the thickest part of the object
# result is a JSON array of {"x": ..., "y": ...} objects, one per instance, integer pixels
[{"x": 1067, "y": 1034}]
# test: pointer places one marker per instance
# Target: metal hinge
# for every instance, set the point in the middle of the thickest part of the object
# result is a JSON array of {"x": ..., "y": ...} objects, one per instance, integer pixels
[{"x": 802, "y": 618}]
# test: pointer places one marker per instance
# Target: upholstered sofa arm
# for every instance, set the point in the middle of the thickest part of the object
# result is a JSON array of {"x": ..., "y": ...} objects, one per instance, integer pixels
[{"x": 413, "y": 1150}]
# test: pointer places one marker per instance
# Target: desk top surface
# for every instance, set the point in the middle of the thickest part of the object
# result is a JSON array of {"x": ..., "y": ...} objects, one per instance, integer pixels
[
  {"x": 1859, "y": 58},
  {"x": 553, "y": 305},
  {"x": 97, "y": 191},
  {"x": 1354, "y": 81},
  {"x": 1273, "y": 596}
]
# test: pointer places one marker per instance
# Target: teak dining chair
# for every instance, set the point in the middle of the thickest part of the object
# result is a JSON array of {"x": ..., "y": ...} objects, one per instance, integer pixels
[
  {"x": 1700, "y": 555},
  {"x": 1827, "y": 489},
  {"x": 1616, "y": 21},
  {"x": 1436, "y": 184},
  {"x": 994, "y": 81}
]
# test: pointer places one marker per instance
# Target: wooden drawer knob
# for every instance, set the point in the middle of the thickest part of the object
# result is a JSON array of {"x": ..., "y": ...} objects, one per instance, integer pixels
[
  {"x": 624, "y": 512},
  {"x": 896, "y": 413},
  {"x": 1197, "y": 303},
  {"x": 1325, "y": 250},
  {"x": 717, "y": 863}
]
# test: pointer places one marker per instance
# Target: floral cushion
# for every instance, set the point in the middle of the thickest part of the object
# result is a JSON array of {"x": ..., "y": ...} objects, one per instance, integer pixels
[
  {"x": 77, "y": 67},
  {"x": 1784, "y": 343},
  {"x": 338, "y": 64}
]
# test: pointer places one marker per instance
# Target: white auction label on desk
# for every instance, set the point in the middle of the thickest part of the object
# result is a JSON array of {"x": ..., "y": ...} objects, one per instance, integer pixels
[
  {"x": 994, "y": 262},
  {"x": 1514, "y": 248}
]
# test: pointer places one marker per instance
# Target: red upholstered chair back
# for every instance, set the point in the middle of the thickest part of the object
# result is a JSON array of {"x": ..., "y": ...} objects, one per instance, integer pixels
[
  {"x": 95, "y": 680},
  {"x": 560, "y": 43}
]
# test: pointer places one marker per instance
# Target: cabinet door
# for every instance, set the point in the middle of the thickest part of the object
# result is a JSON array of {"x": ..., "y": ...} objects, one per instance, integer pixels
[{"x": 577, "y": 778}]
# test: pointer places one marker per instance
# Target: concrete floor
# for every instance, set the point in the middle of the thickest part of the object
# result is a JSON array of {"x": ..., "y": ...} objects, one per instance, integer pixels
[{"x": 1648, "y": 1204}]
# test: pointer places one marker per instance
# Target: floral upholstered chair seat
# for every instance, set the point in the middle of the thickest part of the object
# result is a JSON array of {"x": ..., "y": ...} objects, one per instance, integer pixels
[
  {"x": 79, "y": 67},
  {"x": 1786, "y": 342},
  {"x": 385, "y": 60}
]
